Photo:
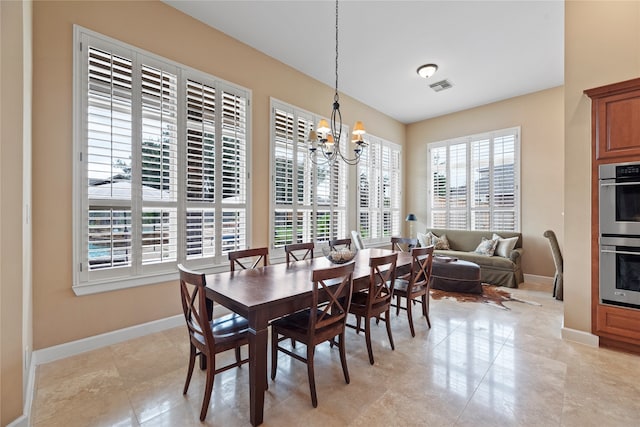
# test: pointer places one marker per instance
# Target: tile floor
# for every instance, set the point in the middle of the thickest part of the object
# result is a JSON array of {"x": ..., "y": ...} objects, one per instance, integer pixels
[{"x": 477, "y": 366}]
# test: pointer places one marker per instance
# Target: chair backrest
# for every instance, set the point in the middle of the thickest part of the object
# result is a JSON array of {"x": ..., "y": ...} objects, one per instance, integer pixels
[
  {"x": 340, "y": 242},
  {"x": 403, "y": 244},
  {"x": 381, "y": 279},
  {"x": 337, "y": 296},
  {"x": 291, "y": 250},
  {"x": 357, "y": 240},
  {"x": 555, "y": 249},
  {"x": 422, "y": 260},
  {"x": 239, "y": 258},
  {"x": 194, "y": 306}
]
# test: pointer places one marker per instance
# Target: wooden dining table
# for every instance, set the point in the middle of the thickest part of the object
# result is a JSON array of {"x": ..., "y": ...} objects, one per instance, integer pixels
[{"x": 266, "y": 293}]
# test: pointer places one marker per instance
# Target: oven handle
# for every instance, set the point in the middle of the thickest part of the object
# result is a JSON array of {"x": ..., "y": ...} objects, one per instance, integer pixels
[
  {"x": 613, "y": 184},
  {"x": 608, "y": 251}
]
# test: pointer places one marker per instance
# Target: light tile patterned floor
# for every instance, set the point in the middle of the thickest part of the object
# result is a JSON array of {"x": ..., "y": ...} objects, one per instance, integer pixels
[{"x": 477, "y": 366}]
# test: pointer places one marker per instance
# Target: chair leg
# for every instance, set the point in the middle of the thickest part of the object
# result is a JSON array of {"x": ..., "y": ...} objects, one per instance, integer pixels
[
  {"x": 274, "y": 353},
  {"x": 367, "y": 335},
  {"x": 238, "y": 358},
  {"x": 343, "y": 357},
  {"x": 410, "y": 316},
  {"x": 425, "y": 308},
  {"x": 387, "y": 320},
  {"x": 397, "y": 304},
  {"x": 192, "y": 362},
  {"x": 357, "y": 324},
  {"x": 211, "y": 369},
  {"x": 312, "y": 379}
]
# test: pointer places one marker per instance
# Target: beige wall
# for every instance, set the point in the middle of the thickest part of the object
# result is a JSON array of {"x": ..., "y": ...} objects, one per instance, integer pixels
[
  {"x": 11, "y": 203},
  {"x": 59, "y": 315},
  {"x": 540, "y": 116},
  {"x": 602, "y": 46}
]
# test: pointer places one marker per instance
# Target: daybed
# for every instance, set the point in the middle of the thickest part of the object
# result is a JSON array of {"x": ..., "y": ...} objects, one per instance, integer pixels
[{"x": 505, "y": 270}]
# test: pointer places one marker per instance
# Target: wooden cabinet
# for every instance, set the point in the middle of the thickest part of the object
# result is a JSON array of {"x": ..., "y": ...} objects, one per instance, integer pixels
[
  {"x": 615, "y": 120},
  {"x": 615, "y": 134}
]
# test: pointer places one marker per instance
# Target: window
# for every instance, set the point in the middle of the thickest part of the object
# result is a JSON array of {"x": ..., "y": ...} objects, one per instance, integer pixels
[
  {"x": 379, "y": 191},
  {"x": 161, "y": 170},
  {"x": 309, "y": 201},
  {"x": 474, "y": 182}
]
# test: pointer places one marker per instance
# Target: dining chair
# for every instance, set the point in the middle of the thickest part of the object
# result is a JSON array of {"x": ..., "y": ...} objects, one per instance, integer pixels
[
  {"x": 403, "y": 244},
  {"x": 294, "y": 248},
  {"x": 238, "y": 258},
  {"x": 340, "y": 242},
  {"x": 208, "y": 337},
  {"x": 331, "y": 296},
  {"x": 357, "y": 240},
  {"x": 416, "y": 284},
  {"x": 557, "y": 261},
  {"x": 377, "y": 299}
]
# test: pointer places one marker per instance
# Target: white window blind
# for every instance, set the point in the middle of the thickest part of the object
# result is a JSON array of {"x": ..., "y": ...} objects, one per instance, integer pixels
[
  {"x": 310, "y": 201},
  {"x": 379, "y": 191},
  {"x": 474, "y": 182},
  {"x": 161, "y": 173}
]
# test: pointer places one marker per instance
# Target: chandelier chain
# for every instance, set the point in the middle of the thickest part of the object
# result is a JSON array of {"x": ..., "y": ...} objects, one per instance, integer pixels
[{"x": 336, "y": 97}]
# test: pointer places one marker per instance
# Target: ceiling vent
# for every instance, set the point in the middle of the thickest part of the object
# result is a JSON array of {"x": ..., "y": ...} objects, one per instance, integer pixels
[{"x": 441, "y": 85}]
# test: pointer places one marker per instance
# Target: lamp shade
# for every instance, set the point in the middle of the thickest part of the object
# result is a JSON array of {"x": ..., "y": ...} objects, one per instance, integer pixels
[
  {"x": 323, "y": 126},
  {"x": 358, "y": 128},
  {"x": 411, "y": 217}
]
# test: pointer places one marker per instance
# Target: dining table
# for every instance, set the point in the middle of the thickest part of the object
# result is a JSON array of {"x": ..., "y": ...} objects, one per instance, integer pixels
[{"x": 266, "y": 293}]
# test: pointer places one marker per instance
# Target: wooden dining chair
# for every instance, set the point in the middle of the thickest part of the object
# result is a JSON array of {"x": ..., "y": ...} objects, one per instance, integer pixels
[
  {"x": 403, "y": 244},
  {"x": 208, "y": 337},
  {"x": 377, "y": 299},
  {"x": 340, "y": 242},
  {"x": 294, "y": 248},
  {"x": 416, "y": 284},
  {"x": 239, "y": 258},
  {"x": 325, "y": 320}
]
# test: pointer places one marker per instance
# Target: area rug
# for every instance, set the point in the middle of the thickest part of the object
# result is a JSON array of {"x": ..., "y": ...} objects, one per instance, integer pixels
[{"x": 491, "y": 294}]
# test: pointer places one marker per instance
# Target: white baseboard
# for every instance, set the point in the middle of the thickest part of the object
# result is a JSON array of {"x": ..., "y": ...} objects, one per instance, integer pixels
[
  {"x": 21, "y": 421},
  {"x": 72, "y": 348},
  {"x": 533, "y": 278},
  {"x": 580, "y": 337}
]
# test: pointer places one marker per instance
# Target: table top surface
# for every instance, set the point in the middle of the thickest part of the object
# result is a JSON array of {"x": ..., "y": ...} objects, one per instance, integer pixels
[{"x": 259, "y": 286}]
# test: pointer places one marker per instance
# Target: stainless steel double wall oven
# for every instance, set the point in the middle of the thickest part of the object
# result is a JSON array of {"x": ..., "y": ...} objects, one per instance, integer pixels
[{"x": 619, "y": 213}]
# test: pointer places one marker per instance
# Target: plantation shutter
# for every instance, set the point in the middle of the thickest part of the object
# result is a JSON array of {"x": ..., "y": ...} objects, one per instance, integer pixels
[
  {"x": 474, "y": 182},
  {"x": 284, "y": 157},
  {"x": 234, "y": 171},
  {"x": 309, "y": 200},
  {"x": 159, "y": 159},
  {"x": 201, "y": 168},
  {"x": 379, "y": 191},
  {"x": 109, "y": 127}
]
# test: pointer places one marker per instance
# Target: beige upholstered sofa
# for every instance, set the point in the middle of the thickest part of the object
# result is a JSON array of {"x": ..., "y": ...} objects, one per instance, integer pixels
[{"x": 496, "y": 270}]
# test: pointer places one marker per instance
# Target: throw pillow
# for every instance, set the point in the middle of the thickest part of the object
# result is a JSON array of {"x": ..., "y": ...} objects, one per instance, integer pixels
[
  {"x": 487, "y": 247},
  {"x": 441, "y": 242},
  {"x": 429, "y": 239},
  {"x": 505, "y": 246}
]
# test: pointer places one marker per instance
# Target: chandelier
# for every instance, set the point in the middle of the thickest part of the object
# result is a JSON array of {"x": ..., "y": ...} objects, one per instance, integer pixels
[{"x": 327, "y": 136}]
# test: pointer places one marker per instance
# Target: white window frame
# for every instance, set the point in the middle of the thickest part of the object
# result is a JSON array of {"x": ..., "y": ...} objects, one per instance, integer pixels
[
  {"x": 381, "y": 160},
  {"x": 87, "y": 281},
  {"x": 465, "y": 213},
  {"x": 338, "y": 204}
]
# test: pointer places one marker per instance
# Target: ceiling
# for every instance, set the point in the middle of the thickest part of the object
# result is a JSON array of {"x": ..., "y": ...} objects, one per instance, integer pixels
[{"x": 488, "y": 50}]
